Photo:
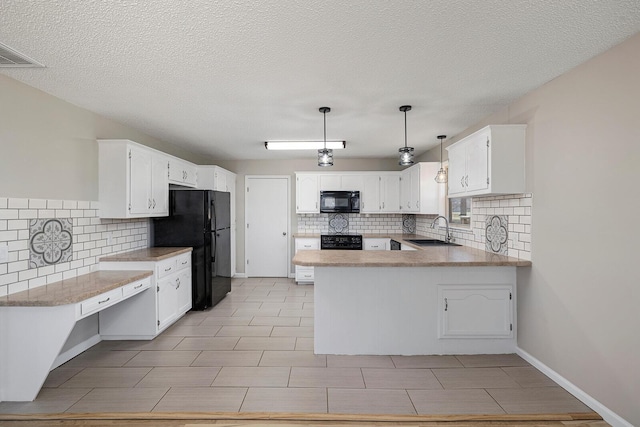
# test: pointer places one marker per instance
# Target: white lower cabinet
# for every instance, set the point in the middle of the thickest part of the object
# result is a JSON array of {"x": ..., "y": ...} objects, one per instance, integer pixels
[
  {"x": 305, "y": 274},
  {"x": 146, "y": 315},
  {"x": 376, "y": 244},
  {"x": 475, "y": 311}
]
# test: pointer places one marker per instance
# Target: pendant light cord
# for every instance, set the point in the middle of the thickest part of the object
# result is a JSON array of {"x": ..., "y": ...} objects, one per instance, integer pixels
[
  {"x": 324, "y": 116},
  {"x": 405, "y": 128}
]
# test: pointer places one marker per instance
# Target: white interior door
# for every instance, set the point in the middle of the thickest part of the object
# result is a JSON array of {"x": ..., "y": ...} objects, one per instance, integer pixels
[{"x": 267, "y": 208}]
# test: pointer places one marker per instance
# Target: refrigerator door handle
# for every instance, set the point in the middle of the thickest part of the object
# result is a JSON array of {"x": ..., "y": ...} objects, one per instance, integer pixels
[
  {"x": 214, "y": 244},
  {"x": 212, "y": 212}
]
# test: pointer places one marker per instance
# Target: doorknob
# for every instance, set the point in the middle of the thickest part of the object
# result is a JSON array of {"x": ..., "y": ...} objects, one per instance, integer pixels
[{"x": 284, "y": 233}]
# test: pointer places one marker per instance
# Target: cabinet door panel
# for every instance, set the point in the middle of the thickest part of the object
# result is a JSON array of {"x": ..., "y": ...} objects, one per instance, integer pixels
[
  {"x": 352, "y": 182},
  {"x": 184, "y": 291},
  {"x": 160, "y": 186},
  {"x": 457, "y": 169},
  {"x": 330, "y": 183},
  {"x": 140, "y": 169},
  {"x": 390, "y": 193},
  {"x": 167, "y": 307},
  {"x": 307, "y": 194},
  {"x": 477, "y": 163},
  {"x": 405, "y": 191},
  {"x": 370, "y": 196},
  {"x": 475, "y": 312}
]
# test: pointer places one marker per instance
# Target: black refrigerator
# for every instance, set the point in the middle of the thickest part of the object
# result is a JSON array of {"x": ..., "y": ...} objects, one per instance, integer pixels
[{"x": 200, "y": 219}]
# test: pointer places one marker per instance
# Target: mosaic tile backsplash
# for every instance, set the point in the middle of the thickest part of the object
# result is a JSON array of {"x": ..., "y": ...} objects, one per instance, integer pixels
[{"x": 52, "y": 240}]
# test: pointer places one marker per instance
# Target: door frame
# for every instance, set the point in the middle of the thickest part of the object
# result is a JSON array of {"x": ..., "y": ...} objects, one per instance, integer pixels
[{"x": 246, "y": 206}]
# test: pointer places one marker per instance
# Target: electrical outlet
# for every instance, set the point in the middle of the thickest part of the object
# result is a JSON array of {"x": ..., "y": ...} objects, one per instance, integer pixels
[{"x": 4, "y": 252}]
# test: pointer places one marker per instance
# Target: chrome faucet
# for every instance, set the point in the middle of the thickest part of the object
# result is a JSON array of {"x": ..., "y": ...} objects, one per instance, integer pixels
[{"x": 447, "y": 236}]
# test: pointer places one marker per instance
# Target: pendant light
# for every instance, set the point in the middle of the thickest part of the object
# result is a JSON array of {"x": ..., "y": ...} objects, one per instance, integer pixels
[
  {"x": 406, "y": 153},
  {"x": 441, "y": 177},
  {"x": 325, "y": 157}
]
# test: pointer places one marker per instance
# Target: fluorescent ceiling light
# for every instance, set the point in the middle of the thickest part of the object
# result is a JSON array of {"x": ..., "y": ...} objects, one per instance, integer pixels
[{"x": 304, "y": 145}]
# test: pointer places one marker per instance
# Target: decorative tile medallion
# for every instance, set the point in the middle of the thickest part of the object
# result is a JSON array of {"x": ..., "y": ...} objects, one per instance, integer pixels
[
  {"x": 408, "y": 223},
  {"x": 50, "y": 241},
  {"x": 338, "y": 223},
  {"x": 497, "y": 232}
]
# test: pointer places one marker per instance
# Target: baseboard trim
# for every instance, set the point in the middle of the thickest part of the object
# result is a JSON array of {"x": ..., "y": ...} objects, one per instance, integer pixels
[
  {"x": 240, "y": 276},
  {"x": 76, "y": 350},
  {"x": 607, "y": 414}
]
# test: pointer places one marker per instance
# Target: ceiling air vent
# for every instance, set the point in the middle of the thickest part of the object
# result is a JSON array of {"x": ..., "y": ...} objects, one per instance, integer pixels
[{"x": 10, "y": 58}]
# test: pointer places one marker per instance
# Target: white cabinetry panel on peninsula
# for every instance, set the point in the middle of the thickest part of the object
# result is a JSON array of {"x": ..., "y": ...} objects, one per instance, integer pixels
[
  {"x": 133, "y": 180},
  {"x": 419, "y": 193},
  {"x": 145, "y": 317},
  {"x": 307, "y": 193},
  {"x": 489, "y": 161},
  {"x": 305, "y": 274},
  {"x": 475, "y": 311}
]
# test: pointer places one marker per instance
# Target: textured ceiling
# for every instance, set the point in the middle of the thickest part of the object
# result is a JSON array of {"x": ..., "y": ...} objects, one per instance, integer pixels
[{"x": 220, "y": 77}]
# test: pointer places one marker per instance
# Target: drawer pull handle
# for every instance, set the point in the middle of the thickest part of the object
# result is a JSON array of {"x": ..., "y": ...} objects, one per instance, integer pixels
[
  {"x": 185, "y": 262},
  {"x": 139, "y": 286},
  {"x": 167, "y": 269},
  {"x": 102, "y": 302}
]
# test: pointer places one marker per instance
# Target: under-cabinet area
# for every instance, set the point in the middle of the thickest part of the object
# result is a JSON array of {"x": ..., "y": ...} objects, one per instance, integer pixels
[{"x": 170, "y": 298}]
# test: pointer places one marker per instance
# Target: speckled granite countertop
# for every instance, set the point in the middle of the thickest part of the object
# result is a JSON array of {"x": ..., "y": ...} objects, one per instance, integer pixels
[
  {"x": 147, "y": 254},
  {"x": 441, "y": 256},
  {"x": 74, "y": 290},
  {"x": 438, "y": 256}
]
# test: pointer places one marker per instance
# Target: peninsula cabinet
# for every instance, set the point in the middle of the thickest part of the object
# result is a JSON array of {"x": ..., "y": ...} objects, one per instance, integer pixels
[
  {"x": 307, "y": 193},
  {"x": 145, "y": 317},
  {"x": 475, "y": 311},
  {"x": 419, "y": 193},
  {"x": 489, "y": 161},
  {"x": 133, "y": 180}
]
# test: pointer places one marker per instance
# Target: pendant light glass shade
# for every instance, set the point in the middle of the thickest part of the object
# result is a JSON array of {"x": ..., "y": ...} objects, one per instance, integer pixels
[
  {"x": 441, "y": 176},
  {"x": 406, "y": 153},
  {"x": 325, "y": 156}
]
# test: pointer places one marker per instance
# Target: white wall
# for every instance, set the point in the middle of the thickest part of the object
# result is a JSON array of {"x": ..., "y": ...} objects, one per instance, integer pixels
[
  {"x": 48, "y": 147},
  {"x": 578, "y": 306}
]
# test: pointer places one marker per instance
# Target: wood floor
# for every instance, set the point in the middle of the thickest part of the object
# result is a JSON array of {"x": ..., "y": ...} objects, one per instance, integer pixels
[{"x": 297, "y": 420}]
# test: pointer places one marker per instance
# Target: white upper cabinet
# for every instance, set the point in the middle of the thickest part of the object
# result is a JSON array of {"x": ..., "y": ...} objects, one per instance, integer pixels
[
  {"x": 390, "y": 193},
  {"x": 307, "y": 193},
  {"x": 341, "y": 182},
  {"x": 489, "y": 161},
  {"x": 133, "y": 180},
  {"x": 419, "y": 193},
  {"x": 370, "y": 195},
  {"x": 182, "y": 172}
]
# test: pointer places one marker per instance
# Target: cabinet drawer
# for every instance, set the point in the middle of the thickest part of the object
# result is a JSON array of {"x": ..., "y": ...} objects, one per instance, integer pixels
[
  {"x": 183, "y": 261},
  {"x": 101, "y": 301},
  {"x": 307, "y": 244},
  {"x": 304, "y": 274},
  {"x": 376, "y": 244},
  {"x": 135, "y": 287},
  {"x": 165, "y": 268}
]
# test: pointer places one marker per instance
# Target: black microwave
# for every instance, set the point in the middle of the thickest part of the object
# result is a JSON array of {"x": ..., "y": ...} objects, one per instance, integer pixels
[{"x": 340, "y": 201}]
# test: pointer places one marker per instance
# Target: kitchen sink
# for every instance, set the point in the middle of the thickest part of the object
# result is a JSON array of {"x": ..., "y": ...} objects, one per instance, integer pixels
[{"x": 431, "y": 242}]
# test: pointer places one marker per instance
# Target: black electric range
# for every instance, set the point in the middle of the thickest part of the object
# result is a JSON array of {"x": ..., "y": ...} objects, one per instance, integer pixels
[{"x": 341, "y": 241}]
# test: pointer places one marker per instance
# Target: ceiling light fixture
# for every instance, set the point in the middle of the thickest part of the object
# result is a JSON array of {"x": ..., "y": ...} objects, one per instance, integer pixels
[
  {"x": 325, "y": 156},
  {"x": 441, "y": 177},
  {"x": 303, "y": 145},
  {"x": 406, "y": 153}
]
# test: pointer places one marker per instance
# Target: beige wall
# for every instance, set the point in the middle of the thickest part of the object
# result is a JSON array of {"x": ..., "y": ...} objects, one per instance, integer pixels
[
  {"x": 578, "y": 306},
  {"x": 289, "y": 167},
  {"x": 48, "y": 147}
]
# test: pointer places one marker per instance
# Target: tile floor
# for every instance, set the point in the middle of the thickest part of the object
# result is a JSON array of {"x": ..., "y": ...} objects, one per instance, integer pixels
[{"x": 254, "y": 353}]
